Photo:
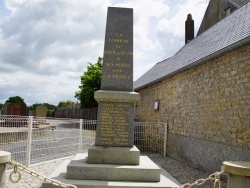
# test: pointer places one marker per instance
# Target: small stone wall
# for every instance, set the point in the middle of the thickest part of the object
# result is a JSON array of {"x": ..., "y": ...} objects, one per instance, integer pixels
[
  {"x": 209, "y": 102},
  {"x": 204, "y": 155}
]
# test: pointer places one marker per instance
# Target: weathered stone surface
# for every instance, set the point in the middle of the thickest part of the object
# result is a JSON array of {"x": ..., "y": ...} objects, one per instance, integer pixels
[
  {"x": 166, "y": 181},
  {"x": 116, "y": 96},
  {"x": 209, "y": 102},
  {"x": 115, "y": 119},
  {"x": 241, "y": 168},
  {"x": 204, "y": 155},
  {"x": 239, "y": 173},
  {"x": 146, "y": 171},
  {"x": 41, "y": 111},
  {"x": 4, "y": 157},
  {"x": 115, "y": 122},
  {"x": 5, "y": 108},
  {"x": 117, "y": 72},
  {"x": 114, "y": 155}
]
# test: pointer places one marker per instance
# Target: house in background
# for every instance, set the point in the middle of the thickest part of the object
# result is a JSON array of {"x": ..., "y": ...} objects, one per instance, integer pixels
[
  {"x": 218, "y": 10},
  {"x": 203, "y": 92}
]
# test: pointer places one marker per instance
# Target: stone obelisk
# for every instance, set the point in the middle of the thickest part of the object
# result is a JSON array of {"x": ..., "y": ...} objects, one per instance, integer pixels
[
  {"x": 114, "y": 143},
  {"x": 115, "y": 121}
]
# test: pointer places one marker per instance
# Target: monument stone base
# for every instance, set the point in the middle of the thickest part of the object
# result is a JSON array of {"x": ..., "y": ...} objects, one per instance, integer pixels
[
  {"x": 114, "y": 155},
  {"x": 146, "y": 171},
  {"x": 85, "y": 175}
]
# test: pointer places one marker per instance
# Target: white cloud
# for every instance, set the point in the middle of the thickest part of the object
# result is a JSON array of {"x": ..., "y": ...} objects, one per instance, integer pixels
[
  {"x": 172, "y": 30},
  {"x": 147, "y": 14},
  {"x": 45, "y": 45}
]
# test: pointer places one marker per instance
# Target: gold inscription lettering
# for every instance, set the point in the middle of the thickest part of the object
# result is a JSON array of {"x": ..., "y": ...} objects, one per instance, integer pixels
[
  {"x": 119, "y": 65},
  {"x": 117, "y": 70},
  {"x": 114, "y": 124},
  {"x": 113, "y": 52},
  {"x": 121, "y": 77}
]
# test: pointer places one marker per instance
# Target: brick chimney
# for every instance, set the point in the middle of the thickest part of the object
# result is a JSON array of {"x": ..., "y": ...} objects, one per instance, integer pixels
[{"x": 189, "y": 28}]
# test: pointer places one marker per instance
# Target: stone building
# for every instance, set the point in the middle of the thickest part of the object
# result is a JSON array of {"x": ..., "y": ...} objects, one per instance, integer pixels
[
  {"x": 203, "y": 94},
  {"x": 218, "y": 10}
]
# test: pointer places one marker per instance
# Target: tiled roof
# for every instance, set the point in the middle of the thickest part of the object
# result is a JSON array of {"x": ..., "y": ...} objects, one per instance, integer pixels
[
  {"x": 240, "y": 2},
  {"x": 222, "y": 37}
]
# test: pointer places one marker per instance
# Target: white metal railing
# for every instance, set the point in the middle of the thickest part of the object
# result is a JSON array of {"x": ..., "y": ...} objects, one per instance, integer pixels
[{"x": 30, "y": 142}]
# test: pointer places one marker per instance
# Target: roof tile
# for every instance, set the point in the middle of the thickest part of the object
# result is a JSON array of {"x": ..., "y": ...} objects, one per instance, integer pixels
[{"x": 230, "y": 30}]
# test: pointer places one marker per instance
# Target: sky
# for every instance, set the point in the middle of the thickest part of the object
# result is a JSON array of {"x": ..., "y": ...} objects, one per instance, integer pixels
[{"x": 46, "y": 45}]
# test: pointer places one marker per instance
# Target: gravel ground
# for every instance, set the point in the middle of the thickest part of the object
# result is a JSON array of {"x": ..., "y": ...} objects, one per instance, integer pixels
[{"x": 183, "y": 173}]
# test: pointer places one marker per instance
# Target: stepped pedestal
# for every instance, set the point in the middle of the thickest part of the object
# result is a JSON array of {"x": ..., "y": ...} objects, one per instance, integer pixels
[
  {"x": 114, "y": 155},
  {"x": 83, "y": 174},
  {"x": 80, "y": 169}
]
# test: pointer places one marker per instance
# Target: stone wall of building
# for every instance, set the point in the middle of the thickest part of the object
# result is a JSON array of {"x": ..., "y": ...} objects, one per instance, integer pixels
[{"x": 209, "y": 102}]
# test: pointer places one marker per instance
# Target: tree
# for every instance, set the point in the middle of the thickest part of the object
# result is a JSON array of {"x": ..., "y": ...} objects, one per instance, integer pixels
[
  {"x": 48, "y": 106},
  {"x": 15, "y": 99},
  {"x": 65, "y": 103},
  {"x": 1, "y": 106},
  {"x": 90, "y": 82}
]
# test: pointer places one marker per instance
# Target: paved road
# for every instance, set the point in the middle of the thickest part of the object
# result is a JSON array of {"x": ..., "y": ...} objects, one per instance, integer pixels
[{"x": 62, "y": 141}]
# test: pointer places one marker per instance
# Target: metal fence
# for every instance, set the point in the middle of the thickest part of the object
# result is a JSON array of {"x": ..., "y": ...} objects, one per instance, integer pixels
[
  {"x": 151, "y": 137},
  {"x": 32, "y": 140}
]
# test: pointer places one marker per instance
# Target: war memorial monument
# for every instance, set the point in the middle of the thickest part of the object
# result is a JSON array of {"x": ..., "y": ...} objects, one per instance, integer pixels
[{"x": 114, "y": 161}]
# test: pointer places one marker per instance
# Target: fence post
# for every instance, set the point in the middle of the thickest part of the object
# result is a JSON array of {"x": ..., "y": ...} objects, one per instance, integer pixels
[
  {"x": 80, "y": 136},
  {"x": 165, "y": 138},
  {"x": 239, "y": 173},
  {"x": 4, "y": 159},
  {"x": 29, "y": 140}
]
